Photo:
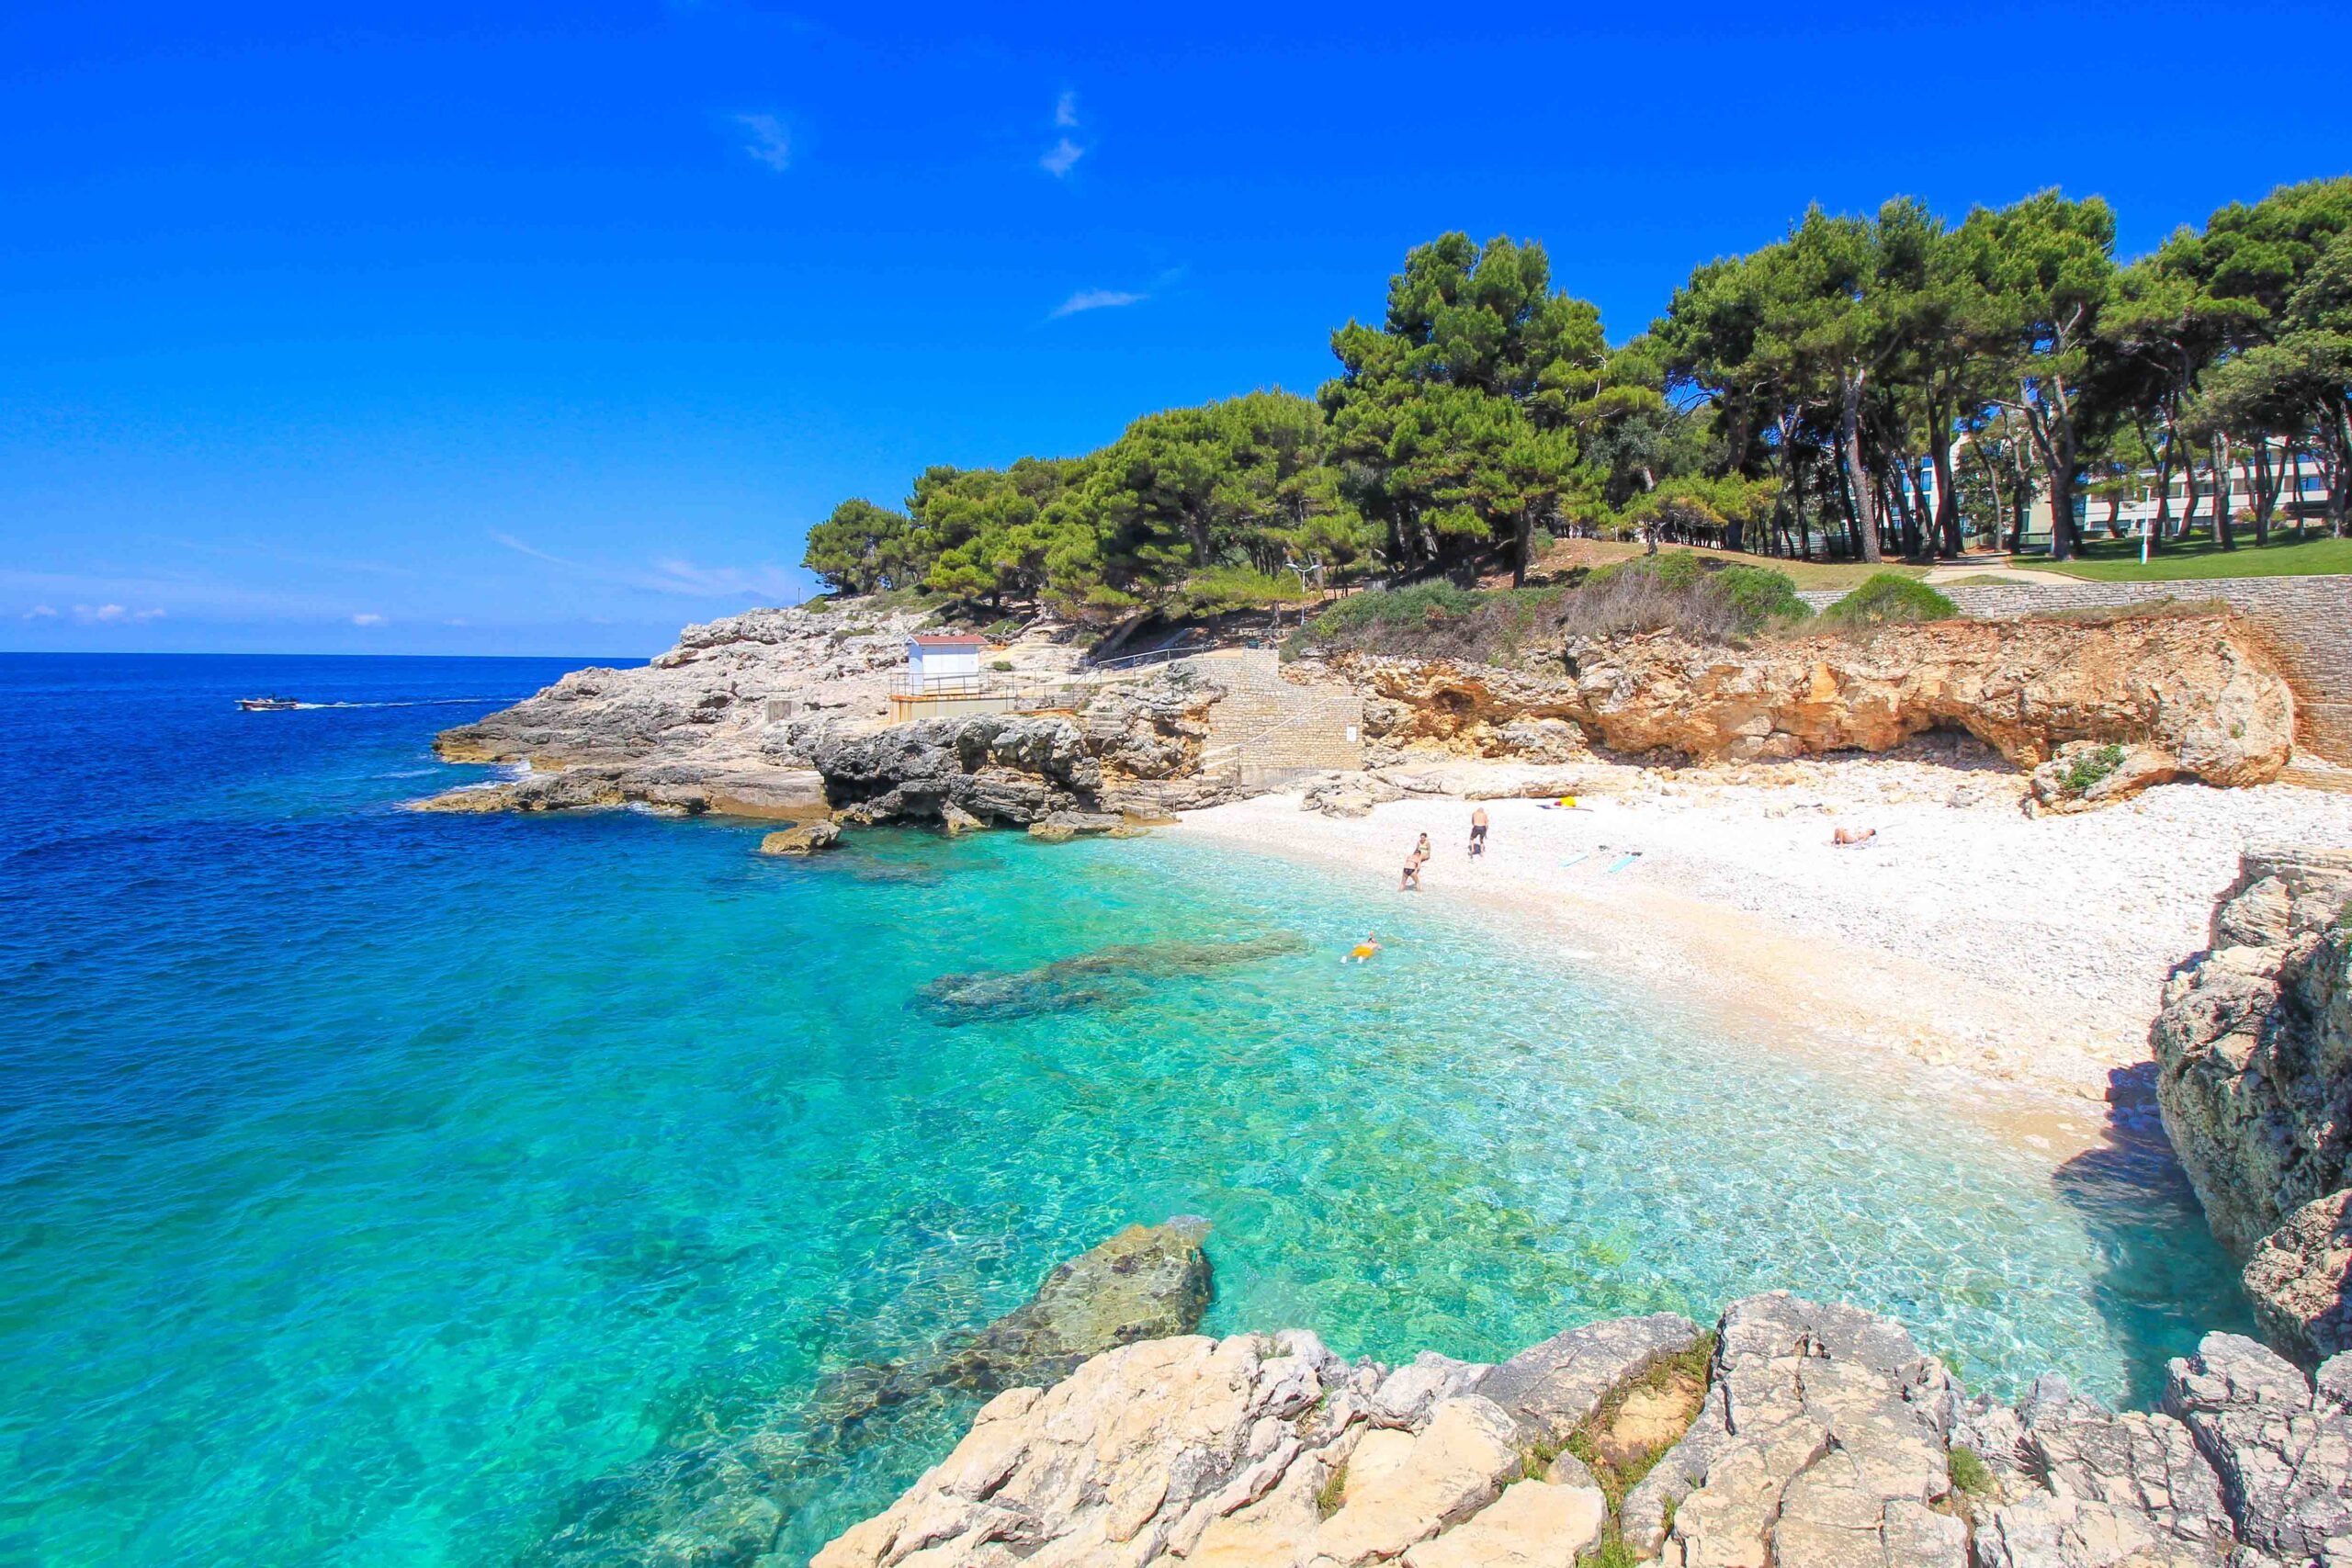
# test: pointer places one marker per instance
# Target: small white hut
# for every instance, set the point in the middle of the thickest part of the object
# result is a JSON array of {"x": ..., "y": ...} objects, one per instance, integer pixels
[{"x": 942, "y": 664}]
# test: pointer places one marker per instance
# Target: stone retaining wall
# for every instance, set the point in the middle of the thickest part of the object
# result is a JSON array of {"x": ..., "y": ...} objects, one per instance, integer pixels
[
  {"x": 1270, "y": 730},
  {"x": 2306, "y": 620}
]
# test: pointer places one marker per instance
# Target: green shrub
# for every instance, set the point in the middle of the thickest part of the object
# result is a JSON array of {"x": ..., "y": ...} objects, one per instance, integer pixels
[
  {"x": 1969, "y": 1473},
  {"x": 1671, "y": 568},
  {"x": 1761, "y": 595},
  {"x": 1328, "y": 1497},
  {"x": 1612, "y": 1553},
  {"x": 1007, "y": 628},
  {"x": 1000, "y": 666},
  {"x": 1887, "y": 597},
  {"x": 2087, "y": 768}
]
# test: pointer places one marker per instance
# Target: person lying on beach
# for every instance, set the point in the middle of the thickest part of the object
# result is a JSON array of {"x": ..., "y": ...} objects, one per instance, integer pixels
[
  {"x": 1565, "y": 803},
  {"x": 1853, "y": 835},
  {"x": 1477, "y": 832},
  {"x": 1362, "y": 951}
]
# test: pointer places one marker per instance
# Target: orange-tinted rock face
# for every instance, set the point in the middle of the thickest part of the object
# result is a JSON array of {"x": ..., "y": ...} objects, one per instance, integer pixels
[{"x": 2196, "y": 688}]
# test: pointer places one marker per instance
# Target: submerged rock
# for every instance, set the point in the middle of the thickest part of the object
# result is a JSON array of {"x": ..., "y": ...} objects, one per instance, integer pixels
[
  {"x": 721, "y": 1500},
  {"x": 1110, "y": 976}
]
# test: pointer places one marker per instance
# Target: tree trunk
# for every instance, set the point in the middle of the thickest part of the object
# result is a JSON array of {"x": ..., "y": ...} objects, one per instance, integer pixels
[
  {"x": 2062, "y": 490},
  {"x": 1946, "y": 525},
  {"x": 2188, "y": 497},
  {"x": 2266, "y": 489},
  {"x": 1907, "y": 506},
  {"x": 1858, "y": 480},
  {"x": 1523, "y": 548},
  {"x": 1796, "y": 505},
  {"x": 2224, "y": 526}
]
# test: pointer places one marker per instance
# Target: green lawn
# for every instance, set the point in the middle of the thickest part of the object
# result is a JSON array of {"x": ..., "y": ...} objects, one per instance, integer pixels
[{"x": 2118, "y": 561}]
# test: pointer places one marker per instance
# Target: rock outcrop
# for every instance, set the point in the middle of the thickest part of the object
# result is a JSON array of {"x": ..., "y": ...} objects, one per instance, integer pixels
[
  {"x": 805, "y": 840},
  {"x": 1824, "y": 1443},
  {"x": 2299, "y": 1280},
  {"x": 2195, "y": 691},
  {"x": 2254, "y": 1051},
  {"x": 2280, "y": 1443},
  {"x": 721, "y": 722},
  {"x": 780, "y": 713},
  {"x": 1826, "y": 1439},
  {"x": 719, "y": 1499}
]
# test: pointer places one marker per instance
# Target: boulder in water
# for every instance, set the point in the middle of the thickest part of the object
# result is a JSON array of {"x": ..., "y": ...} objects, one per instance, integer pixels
[{"x": 802, "y": 840}]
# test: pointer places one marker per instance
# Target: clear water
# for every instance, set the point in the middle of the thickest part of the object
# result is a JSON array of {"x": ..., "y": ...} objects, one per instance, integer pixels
[{"x": 370, "y": 1182}]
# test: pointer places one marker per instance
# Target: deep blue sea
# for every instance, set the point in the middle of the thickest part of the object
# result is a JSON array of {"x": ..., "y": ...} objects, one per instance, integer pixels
[{"x": 384, "y": 1188}]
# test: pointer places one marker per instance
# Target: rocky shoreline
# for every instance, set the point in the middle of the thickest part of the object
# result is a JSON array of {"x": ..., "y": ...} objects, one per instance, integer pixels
[
  {"x": 1807, "y": 1436},
  {"x": 779, "y": 713}
]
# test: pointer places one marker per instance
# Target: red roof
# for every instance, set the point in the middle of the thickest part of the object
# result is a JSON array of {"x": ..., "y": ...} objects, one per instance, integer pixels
[{"x": 945, "y": 641}]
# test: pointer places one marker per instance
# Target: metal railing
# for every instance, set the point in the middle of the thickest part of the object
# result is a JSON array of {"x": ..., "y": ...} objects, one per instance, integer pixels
[{"x": 905, "y": 686}]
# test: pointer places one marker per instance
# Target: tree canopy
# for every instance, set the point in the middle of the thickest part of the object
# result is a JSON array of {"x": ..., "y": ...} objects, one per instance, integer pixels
[{"x": 1862, "y": 386}]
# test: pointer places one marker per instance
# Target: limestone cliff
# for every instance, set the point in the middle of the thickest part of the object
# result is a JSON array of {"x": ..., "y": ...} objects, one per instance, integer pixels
[
  {"x": 2253, "y": 1050},
  {"x": 1813, "y": 1436},
  {"x": 2195, "y": 691}
]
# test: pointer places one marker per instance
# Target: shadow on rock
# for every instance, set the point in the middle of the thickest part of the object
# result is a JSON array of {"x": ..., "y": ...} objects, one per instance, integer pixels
[
  {"x": 1109, "y": 976},
  {"x": 2149, "y": 1274},
  {"x": 711, "y": 1498}
]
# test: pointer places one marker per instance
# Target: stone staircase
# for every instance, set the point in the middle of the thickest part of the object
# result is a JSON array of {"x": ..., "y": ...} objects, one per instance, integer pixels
[{"x": 1268, "y": 732}]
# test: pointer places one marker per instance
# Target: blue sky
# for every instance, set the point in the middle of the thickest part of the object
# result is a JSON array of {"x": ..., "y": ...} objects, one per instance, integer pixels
[{"x": 546, "y": 330}]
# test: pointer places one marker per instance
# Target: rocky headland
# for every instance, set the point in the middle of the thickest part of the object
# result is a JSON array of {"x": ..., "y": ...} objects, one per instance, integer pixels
[{"x": 2254, "y": 1049}]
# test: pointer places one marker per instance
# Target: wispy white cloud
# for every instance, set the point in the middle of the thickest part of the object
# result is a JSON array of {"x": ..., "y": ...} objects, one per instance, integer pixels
[
  {"x": 673, "y": 575},
  {"x": 367, "y": 618},
  {"x": 1097, "y": 299},
  {"x": 102, "y": 614},
  {"x": 767, "y": 141},
  {"x": 1066, "y": 150},
  {"x": 41, "y": 612}
]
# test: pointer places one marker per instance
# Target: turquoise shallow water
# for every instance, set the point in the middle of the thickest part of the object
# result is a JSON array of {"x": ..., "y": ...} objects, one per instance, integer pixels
[{"x": 375, "y": 1182}]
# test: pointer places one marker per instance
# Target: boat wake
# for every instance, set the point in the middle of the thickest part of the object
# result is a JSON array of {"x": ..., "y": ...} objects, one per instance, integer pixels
[{"x": 404, "y": 703}]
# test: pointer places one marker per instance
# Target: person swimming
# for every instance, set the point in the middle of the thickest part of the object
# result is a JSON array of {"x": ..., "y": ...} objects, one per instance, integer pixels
[{"x": 1362, "y": 951}]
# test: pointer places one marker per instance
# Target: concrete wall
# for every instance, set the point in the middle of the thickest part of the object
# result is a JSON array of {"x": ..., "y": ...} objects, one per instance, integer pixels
[{"x": 2307, "y": 621}]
